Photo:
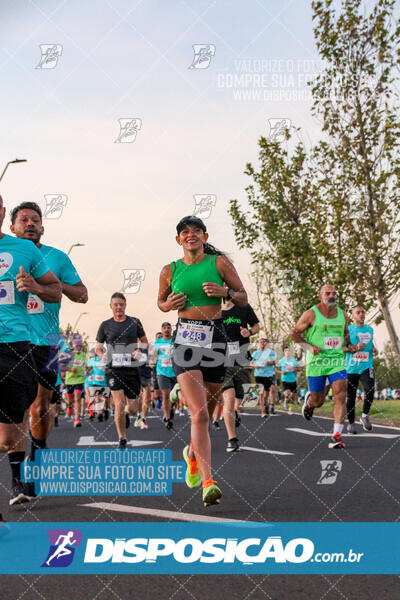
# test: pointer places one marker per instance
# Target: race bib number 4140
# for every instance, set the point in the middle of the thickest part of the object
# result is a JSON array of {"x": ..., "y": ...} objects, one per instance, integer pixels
[{"x": 332, "y": 343}]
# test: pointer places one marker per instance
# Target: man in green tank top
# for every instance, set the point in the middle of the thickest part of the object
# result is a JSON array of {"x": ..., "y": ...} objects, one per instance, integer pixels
[{"x": 325, "y": 327}]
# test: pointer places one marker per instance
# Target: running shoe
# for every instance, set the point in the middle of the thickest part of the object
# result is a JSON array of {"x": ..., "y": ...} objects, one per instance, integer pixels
[
  {"x": 29, "y": 489},
  {"x": 192, "y": 477},
  {"x": 69, "y": 411},
  {"x": 18, "y": 493},
  {"x": 169, "y": 424},
  {"x": 216, "y": 425},
  {"x": 91, "y": 415},
  {"x": 351, "y": 428},
  {"x": 143, "y": 424},
  {"x": 233, "y": 445},
  {"x": 272, "y": 410},
  {"x": 211, "y": 493},
  {"x": 127, "y": 421},
  {"x": 137, "y": 422},
  {"x": 336, "y": 441},
  {"x": 122, "y": 444},
  {"x": 306, "y": 410},
  {"x": 264, "y": 415},
  {"x": 77, "y": 423},
  {"x": 366, "y": 423},
  {"x": 238, "y": 420}
]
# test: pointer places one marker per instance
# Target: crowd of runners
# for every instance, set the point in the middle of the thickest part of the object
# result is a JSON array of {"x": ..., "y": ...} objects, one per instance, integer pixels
[{"x": 211, "y": 366}]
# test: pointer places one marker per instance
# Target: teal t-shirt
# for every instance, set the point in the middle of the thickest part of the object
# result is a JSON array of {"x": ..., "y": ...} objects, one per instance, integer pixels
[
  {"x": 363, "y": 359},
  {"x": 14, "y": 319},
  {"x": 260, "y": 357},
  {"x": 44, "y": 316},
  {"x": 288, "y": 366},
  {"x": 97, "y": 374},
  {"x": 164, "y": 362}
]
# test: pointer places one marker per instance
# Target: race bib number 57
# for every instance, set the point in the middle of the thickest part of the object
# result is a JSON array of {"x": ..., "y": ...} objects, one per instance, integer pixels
[{"x": 34, "y": 305}]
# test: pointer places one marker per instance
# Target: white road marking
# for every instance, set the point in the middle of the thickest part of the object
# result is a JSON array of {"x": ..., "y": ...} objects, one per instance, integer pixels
[
  {"x": 388, "y": 436},
  {"x": 266, "y": 451},
  {"x": 330, "y": 419},
  {"x": 155, "y": 512},
  {"x": 88, "y": 440}
]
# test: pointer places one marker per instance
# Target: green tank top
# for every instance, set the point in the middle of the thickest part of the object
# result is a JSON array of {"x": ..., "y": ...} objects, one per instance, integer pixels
[
  {"x": 327, "y": 334},
  {"x": 189, "y": 279}
]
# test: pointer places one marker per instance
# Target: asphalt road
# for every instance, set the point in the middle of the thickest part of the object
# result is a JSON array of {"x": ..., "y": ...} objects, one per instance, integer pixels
[{"x": 278, "y": 477}]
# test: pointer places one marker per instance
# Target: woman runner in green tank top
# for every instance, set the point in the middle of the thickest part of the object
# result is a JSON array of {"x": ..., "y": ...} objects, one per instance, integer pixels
[{"x": 194, "y": 286}]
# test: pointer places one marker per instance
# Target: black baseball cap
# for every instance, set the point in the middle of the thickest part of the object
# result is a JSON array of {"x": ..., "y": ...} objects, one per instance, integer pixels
[{"x": 190, "y": 220}]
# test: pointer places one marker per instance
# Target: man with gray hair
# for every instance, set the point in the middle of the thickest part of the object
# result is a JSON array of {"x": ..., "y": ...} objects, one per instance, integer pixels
[{"x": 326, "y": 333}]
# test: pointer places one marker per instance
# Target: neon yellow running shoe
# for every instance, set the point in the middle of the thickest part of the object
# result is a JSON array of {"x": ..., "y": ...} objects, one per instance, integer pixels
[
  {"x": 192, "y": 477},
  {"x": 211, "y": 492}
]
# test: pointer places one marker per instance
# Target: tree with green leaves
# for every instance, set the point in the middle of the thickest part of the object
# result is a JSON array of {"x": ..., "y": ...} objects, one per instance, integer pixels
[{"x": 332, "y": 213}]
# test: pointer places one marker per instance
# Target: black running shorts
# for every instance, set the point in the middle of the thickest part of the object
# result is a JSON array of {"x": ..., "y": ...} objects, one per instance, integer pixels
[
  {"x": 290, "y": 385},
  {"x": 18, "y": 381},
  {"x": 210, "y": 361},
  {"x": 126, "y": 379},
  {"x": 46, "y": 359},
  {"x": 235, "y": 377},
  {"x": 266, "y": 382}
]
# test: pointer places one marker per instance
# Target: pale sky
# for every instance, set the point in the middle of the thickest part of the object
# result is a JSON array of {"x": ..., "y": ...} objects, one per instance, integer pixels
[{"x": 199, "y": 127}]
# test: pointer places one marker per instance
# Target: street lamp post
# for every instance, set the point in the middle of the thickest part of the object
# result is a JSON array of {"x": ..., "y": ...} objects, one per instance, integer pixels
[
  {"x": 77, "y": 321},
  {"x": 12, "y": 162},
  {"x": 73, "y": 246}
]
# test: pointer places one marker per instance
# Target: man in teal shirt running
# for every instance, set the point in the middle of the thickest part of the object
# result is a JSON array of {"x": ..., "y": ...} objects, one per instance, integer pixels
[
  {"x": 23, "y": 271},
  {"x": 359, "y": 365},
  {"x": 162, "y": 349},
  {"x": 26, "y": 223}
]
